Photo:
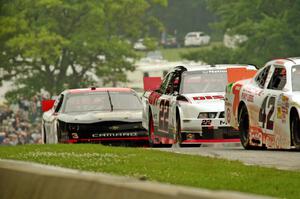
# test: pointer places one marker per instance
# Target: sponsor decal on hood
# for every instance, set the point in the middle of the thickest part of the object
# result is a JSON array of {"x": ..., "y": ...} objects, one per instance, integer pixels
[{"x": 204, "y": 97}]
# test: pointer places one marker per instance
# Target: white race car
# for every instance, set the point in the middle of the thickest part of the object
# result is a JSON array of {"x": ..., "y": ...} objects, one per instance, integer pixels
[
  {"x": 266, "y": 108},
  {"x": 188, "y": 108}
]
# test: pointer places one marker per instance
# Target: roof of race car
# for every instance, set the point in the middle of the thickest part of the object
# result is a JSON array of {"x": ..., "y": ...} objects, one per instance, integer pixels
[
  {"x": 93, "y": 89},
  {"x": 287, "y": 62},
  {"x": 216, "y": 67}
]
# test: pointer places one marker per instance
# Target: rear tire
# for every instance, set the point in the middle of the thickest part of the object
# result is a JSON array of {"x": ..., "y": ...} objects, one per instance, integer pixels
[{"x": 295, "y": 130}]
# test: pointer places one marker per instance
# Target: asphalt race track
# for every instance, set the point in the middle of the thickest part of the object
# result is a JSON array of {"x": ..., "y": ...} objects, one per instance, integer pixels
[{"x": 280, "y": 159}]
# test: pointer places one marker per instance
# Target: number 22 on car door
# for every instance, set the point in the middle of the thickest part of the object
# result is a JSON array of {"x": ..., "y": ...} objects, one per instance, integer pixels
[{"x": 163, "y": 117}]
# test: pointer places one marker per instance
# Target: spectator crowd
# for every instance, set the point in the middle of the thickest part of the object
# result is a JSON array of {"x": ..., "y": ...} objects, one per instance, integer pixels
[{"x": 21, "y": 123}]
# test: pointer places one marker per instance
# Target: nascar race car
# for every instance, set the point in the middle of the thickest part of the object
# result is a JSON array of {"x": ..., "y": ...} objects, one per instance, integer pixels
[
  {"x": 94, "y": 115},
  {"x": 188, "y": 108},
  {"x": 266, "y": 108}
]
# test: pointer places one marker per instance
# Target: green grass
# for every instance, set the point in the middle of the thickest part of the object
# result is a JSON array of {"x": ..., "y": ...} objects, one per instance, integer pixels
[
  {"x": 160, "y": 166},
  {"x": 174, "y": 54}
]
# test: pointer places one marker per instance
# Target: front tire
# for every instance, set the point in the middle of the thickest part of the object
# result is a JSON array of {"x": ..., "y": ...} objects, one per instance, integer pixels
[
  {"x": 295, "y": 130},
  {"x": 151, "y": 131},
  {"x": 58, "y": 131},
  {"x": 244, "y": 127},
  {"x": 44, "y": 135}
]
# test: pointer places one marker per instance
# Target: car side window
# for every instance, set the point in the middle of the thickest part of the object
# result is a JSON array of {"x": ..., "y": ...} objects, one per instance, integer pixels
[
  {"x": 165, "y": 83},
  {"x": 176, "y": 84},
  {"x": 173, "y": 84},
  {"x": 278, "y": 79},
  {"x": 262, "y": 77}
]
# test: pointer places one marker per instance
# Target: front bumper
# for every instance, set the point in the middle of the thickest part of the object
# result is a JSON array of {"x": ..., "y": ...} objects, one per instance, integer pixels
[
  {"x": 194, "y": 124},
  {"x": 109, "y": 137},
  {"x": 193, "y": 132},
  {"x": 106, "y": 131}
]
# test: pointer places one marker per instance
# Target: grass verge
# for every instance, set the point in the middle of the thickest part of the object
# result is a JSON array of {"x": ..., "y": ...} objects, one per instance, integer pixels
[
  {"x": 174, "y": 54},
  {"x": 165, "y": 167}
]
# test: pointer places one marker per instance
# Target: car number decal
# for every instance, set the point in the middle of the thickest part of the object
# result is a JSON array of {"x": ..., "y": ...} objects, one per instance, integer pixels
[
  {"x": 206, "y": 122},
  {"x": 266, "y": 113},
  {"x": 163, "y": 115}
]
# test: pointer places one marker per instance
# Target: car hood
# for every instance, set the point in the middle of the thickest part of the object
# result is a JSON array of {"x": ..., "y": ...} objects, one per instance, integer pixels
[
  {"x": 95, "y": 116},
  {"x": 295, "y": 97},
  {"x": 207, "y": 101}
]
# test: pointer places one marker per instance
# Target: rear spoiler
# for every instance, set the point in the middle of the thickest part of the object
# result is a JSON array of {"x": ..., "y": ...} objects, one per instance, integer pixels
[
  {"x": 151, "y": 83},
  {"x": 237, "y": 74},
  {"x": 47, "y": 105}
]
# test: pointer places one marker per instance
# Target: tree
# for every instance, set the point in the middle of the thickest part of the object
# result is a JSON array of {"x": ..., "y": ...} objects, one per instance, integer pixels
[
  {"x": 181, "y": 17},
  {"x": 55, "y": 44},
  {"x": 272, "y": 28}
]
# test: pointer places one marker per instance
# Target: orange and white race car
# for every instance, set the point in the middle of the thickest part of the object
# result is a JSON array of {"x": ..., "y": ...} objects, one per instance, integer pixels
[{"x": 266, "y": 108}]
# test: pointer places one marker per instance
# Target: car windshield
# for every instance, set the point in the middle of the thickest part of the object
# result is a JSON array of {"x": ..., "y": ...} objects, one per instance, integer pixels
[
  {"x": 296, "y": 78},
  {"x": 192, "y": 35},
  {"x": 99, "y": 101},
  {"x": 125, "y": 101},
  {"x": 205, "y": 81}
]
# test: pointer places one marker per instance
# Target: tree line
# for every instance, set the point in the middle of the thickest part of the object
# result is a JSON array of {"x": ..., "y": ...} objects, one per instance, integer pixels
[
  {"x": 51, "y": 45},
  {"x": 271, "y": 26}
]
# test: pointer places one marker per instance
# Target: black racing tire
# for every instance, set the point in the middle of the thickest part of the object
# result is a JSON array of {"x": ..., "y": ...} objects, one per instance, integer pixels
[
  {"x": 151, "y": 131},
  {"x": 44, "y": 136},
  {"x": 58, "y": 131},
  {"x": 295, "y": 129},
  {"x": 244, "y": 127},
  {"x": 178, "y": 135}
]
